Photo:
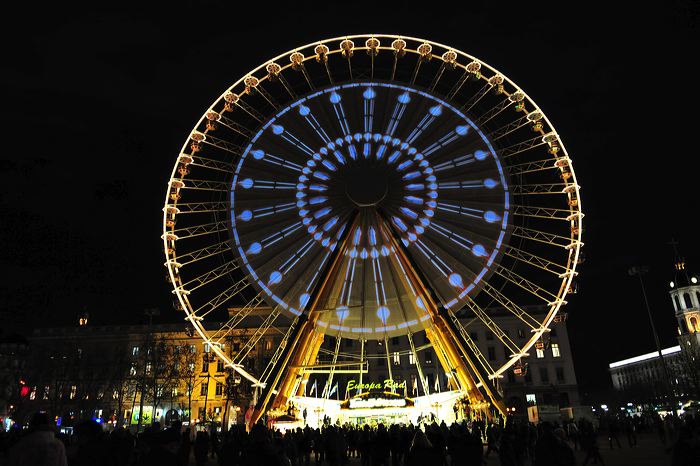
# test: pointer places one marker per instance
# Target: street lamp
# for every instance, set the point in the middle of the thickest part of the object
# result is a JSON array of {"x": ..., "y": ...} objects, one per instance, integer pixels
[{"x": 640, "y": 270}]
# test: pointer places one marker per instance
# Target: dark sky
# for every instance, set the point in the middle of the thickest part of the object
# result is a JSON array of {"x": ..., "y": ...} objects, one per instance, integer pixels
[{"x": 97, "y": 104}]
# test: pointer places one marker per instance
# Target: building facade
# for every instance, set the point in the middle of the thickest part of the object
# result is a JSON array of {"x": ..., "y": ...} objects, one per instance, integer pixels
[
  {"x": 646, "y": 379},
  {"x": 104, "y": 373}
]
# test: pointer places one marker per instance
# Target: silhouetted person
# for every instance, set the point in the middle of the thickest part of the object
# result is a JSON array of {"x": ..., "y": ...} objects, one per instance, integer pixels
[
  {"x": 421, "y": 452},
  {"x": 201, "y": 448},
  {"x": 39, "y": 447}
]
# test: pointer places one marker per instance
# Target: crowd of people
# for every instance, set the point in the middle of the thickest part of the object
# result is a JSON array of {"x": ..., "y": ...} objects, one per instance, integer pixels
[{"x": 514, "y": 443}]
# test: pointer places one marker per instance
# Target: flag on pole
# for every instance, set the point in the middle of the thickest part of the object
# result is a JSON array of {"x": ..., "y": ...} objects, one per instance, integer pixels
[
  {"x": 314, "y": 388},
  {"x": 437, "y": 383},
  {"x": 404, "y": 389},
  {"x": 415, "y": 386},
  {"x": 334, "y": 389},
  {"x": 305, "y": 382}
]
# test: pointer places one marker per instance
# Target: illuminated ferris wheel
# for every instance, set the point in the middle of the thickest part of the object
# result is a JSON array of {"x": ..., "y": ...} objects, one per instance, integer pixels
[{"x": 368, "y": 187}]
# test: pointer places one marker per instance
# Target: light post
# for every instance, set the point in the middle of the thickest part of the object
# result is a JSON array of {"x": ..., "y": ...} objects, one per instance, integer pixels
[{"x": 640, "y": 270}]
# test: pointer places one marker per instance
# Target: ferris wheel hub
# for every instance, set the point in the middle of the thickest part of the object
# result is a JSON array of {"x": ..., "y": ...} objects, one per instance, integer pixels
[{"x": 367, "y": 186}]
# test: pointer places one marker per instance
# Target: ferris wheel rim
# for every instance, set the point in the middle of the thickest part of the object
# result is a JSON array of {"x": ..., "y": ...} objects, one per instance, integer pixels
[{"x": 576, "y": 239}]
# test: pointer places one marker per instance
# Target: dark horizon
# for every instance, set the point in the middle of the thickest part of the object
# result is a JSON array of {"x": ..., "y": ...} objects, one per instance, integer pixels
[{"x": 99, "y": 105}]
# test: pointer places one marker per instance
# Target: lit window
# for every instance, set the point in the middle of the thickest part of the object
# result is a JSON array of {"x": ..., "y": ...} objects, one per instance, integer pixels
[
  {"x": 132, "y": 371},
  {"x": 217, "y": 410},
  {"x": 148, "y": 368},
  {"x": 540, "y": 353},
  {"x": 411, "y": 358},
  {"x": 174, "y": 392},
  {"x": 115, "y": 395},
  {"x": 207, "y": 348},
  {"x": 46, "y": 392},
  {"x": 268, "y": 345},
  {"x": 32, "y": 394},
  {"x": 397, "y": 359},
  {"x": 555, "y": 350},
  {"x": 530, "y": 398},
  {"x": 100, "y": 394},
  {"x": 73, "y": 391},
  {"x": 135, "y": 351},
  {"x": 191, "y": 367}
]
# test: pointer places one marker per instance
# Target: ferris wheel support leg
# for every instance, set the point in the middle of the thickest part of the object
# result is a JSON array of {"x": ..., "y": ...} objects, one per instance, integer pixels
[
  {"x": 448, "y": 329},
  {"x": 304, "y": 338},
  {"x": 446, "y": 337}
]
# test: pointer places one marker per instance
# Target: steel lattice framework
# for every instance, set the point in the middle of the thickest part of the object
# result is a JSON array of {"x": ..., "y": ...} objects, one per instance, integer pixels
[{"x": 367, "y": 187}]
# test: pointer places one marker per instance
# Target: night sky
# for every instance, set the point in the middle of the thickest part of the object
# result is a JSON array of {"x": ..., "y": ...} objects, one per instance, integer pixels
[{"x": 96, "y": 106}]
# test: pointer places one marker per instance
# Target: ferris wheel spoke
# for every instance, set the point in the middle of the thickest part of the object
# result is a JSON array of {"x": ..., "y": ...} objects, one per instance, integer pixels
[
  {"x": 286, "y": 135},
  {"x": 471, "y": 344},
  {"x": 545, "y": 237},
  {"x": 279, "y": 351},
  {"x": 399, "y": 110},
  {"x": 251, "y": 183},
  {"x": 200, "y": 185},
  {"x": 259, "y": 332},
  {"x": 237, "y": 317},
  {"x": 485, "y": 214},
  {"x": 533, "y": 167},
  {"x": 447, "y": 139},
  {"x": 485, "y": 183},
  {"x": 456, "y": 87},
  {"x": 498, "y": 108},
  {"x": 534, "y": 118},
  {"x": 259, "y": 89},
  {"x": 511, "y": 307},
  {"x": 549, "y": 213},
  {"x": 279, "y": 76},
  {"x": 511, "y": 151},
  {"x": 438, "y": 75},
  {"x": 235, "y": 100},
  {"x": 433, "y": 113},
  {"x": 184, "y": 208},
  {"x": 203, "y": 253},
  {"x": 537, "y": 261},
  {"x": 526, "y": 284},
  {"x": 202, "y": 311},
  {"x": 261, "y": 155},
  {"x": 199, "y": 230},
  {"x": 251, "y": 215},
  {"x": 549, "y": 188},
  {"x": 212, "y": 164},
  {"x": 232, "y": 125},
  {"x": 493, "y": 327},
  {"x": 218, "y": 143},
  {"x": 469, "y": 104},
  {"x": 204, "y": 279}
]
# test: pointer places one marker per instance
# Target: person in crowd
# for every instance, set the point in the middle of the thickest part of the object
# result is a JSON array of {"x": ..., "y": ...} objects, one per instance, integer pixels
[
  {"x": 39, "y": 447},
  {"x": 422, "y": 452}
]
